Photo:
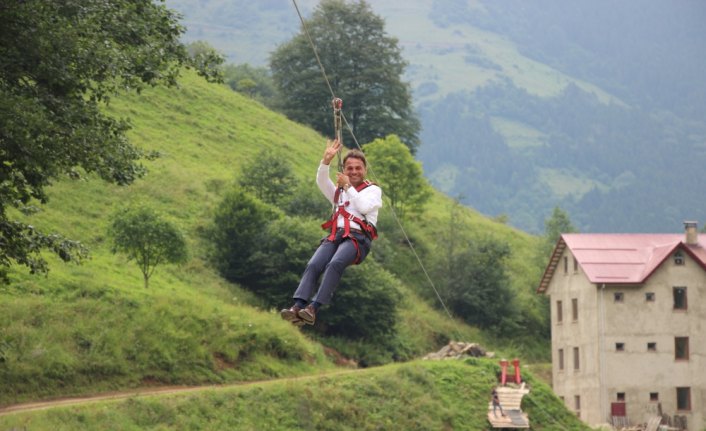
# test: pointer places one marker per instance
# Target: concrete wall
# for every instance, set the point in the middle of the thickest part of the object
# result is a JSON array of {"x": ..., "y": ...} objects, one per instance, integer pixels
[{"x": 581, "y": 333}]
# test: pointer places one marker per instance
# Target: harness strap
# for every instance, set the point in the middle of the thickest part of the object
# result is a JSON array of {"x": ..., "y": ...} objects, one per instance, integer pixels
[{"x": 340, "y": 209}]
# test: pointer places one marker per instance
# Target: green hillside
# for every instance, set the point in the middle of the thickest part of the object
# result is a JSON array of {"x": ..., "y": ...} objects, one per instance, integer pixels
[
  {"x": 93, "y": 328},
  {"x": 430, "y": 395},
  {"x": 526, "y": 108}
]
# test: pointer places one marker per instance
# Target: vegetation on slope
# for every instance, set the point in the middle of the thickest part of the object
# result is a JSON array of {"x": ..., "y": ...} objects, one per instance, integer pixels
[
  {"x": 94, "y": 327},
  {"x": 428, "y": 395}
]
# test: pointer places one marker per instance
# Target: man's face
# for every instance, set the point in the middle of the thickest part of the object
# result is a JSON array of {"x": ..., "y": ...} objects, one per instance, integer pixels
[{"x": 355, "y": 170}]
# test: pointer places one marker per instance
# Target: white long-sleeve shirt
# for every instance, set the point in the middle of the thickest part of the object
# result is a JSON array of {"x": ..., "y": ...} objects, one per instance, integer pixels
[{"x": 363, "y": 204}]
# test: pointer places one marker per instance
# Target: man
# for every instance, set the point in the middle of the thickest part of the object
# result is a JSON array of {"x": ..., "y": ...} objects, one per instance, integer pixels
[{"x": 356, "y": 203}]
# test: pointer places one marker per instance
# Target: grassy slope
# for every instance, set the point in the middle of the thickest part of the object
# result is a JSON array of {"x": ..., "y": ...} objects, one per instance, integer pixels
[
  {"x": 421, "y": 395},
  {"x": 93, "y": 327}
]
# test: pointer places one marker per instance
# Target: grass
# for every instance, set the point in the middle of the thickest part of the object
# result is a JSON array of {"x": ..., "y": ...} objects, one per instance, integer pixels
[
  {"x": 93, "y": 328},
  {"x": 420, "y": 395}
]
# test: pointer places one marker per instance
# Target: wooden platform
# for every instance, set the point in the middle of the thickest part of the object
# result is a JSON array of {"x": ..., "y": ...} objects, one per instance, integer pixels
[{"x": 510, "y": 400}]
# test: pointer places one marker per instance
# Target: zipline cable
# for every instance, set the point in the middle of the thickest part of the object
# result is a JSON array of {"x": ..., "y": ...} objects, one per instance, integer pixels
[
  {"x": 337, "y": 103},
  {"x": 372, "y": 172}
]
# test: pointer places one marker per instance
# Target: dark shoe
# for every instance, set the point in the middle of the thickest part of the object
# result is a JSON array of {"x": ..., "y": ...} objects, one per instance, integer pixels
[
  {"x": 308, "y": 315},
  {"x": 292, "y": 315}
]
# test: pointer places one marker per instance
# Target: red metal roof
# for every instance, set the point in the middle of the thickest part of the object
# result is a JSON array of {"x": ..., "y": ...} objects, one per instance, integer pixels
[{"x": 621, "y": 258}]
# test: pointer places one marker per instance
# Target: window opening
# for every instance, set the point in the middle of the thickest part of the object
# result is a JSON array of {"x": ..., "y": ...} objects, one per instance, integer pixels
[
  {"x": 575, "y": 309},
  {"x": 680, "y": 302},
  {"x": 681, "y": 348},
  {"x": 683, "y": 399}
]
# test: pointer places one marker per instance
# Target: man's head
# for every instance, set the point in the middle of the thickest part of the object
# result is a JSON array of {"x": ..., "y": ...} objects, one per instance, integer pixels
[{"x": 355, "y": 167}]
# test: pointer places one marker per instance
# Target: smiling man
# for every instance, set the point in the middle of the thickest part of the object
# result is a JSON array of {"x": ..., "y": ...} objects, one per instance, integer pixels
[{"x": 356, "y": 202}]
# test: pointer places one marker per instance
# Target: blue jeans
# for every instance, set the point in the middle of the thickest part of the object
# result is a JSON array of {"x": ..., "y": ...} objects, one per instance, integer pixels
[{"x": 331, "y": 259}]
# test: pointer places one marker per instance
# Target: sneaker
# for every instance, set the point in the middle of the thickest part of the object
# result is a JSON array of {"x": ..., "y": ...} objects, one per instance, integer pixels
[
  {"x": 308, "y": 314},
  {"x": 292, "y": 315}
]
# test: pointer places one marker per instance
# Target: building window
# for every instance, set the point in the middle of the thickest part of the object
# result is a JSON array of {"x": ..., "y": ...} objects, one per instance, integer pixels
[
  {"x": 561, "y": 359},
  {"x": 680, "y": 302},
  {"x": 559, "y": 312},
  {"x": 575, "y": 309},
  {"x": 577, "y": 404},
  {"x": 576, "y": 265},
  {"x": 678, "y": 258},
  {"x": 651, "y": 347},
  {"x": 618, "y": 296},
  {"x": 684, "y": 399},
  {"x": 681, "y": 348},
  {"x": 619, "y": 347},
  {"x": 566, "y": 265},
  {"x": 576, "y": 358},
  {"x": 650, "y": 296},
  {"x": 621, "y": 397},
  {"x": 654, "y": 396}
]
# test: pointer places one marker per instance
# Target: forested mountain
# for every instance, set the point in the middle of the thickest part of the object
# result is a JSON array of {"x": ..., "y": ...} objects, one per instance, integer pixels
[{"x": 593, "y": 106}]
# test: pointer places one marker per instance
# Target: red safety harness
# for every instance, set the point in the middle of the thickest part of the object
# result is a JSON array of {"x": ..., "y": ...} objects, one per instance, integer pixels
[{"x": 340, "y": 209}]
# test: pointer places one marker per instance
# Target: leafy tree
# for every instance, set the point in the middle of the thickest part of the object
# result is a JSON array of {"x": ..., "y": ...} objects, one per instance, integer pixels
[
  {"x": 59, "y": 62},
  {"x": 238, "y": 227},
  {"x": 477, "y": 284},
  {"x": 365, "y": 305},
  {"x": 277, "y": 261},
  {"x": 205, "y": 57},
  {"x": 306, "y": 200},
  {"x": 147, "y": 238},
  {"x": 269, "y": 177},
  {"x": 256, "y": 82},
  {"x": 364, "y": 66},
  {"x": 399, "y": 175},
  {"x": 557, "y": 224}
]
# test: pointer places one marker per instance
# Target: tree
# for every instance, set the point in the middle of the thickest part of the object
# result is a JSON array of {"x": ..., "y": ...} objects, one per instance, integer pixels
[
  {"x": 256, "y": 82},
  {"x": 269, "y": 177},
  {"x": 364, "y": 66},
  {"x": 147, "y": 239},
  {"x": 238, "y": 227},
  {"x": 278, "y": 259},
  {"x": 554, "y": 226},
  {"x": 59, "y": 62},
  {"x": 400, "y": 176},
  {"x": 365, "y": 305},
  {"x": 477, "y": 285}
]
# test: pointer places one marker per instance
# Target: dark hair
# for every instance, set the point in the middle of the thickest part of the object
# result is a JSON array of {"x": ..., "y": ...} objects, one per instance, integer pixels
[{"x": 356, "y": 154}]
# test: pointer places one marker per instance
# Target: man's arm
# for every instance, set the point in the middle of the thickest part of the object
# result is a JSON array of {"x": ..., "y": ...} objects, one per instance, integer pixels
[{"x": 327, "y": 187}]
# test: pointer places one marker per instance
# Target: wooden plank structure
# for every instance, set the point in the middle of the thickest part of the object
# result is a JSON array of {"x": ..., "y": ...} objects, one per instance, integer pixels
[{"x": 510, "y": 400}]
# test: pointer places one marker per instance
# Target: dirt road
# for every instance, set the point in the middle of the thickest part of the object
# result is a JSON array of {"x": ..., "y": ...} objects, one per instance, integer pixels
[{"x": 147, "y": 392}]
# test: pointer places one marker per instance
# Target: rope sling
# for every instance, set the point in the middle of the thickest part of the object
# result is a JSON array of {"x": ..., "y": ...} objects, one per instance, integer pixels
[{"x": 338, "y": 127}]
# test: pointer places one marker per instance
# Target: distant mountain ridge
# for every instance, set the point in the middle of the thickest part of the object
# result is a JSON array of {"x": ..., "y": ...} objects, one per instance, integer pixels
[{"x": 592, "y": 106}]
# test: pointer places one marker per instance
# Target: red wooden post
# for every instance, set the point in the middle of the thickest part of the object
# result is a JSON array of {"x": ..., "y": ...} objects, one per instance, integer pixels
[
  {"x": 516, "y": 363},
  {"x": 503, "y": 375}
]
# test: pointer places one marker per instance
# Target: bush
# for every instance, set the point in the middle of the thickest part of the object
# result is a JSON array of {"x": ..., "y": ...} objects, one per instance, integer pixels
[
  {"x": 279, "y": 259},
  {"x": 365, "y": 305},
  {"x": 238, "y": 228}
]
